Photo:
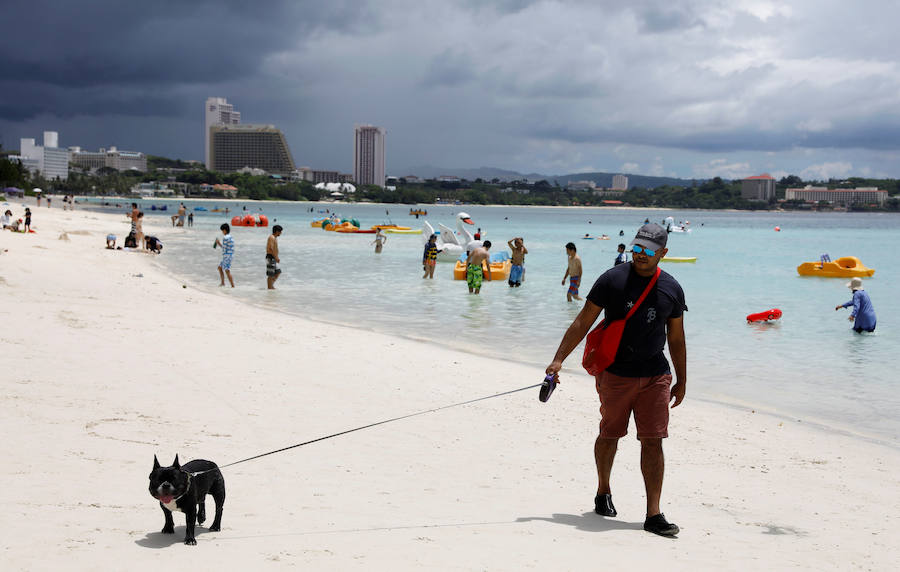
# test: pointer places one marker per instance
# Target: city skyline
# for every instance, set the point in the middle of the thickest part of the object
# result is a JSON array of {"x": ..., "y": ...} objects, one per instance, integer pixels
[{"x": 689, "y": 89}]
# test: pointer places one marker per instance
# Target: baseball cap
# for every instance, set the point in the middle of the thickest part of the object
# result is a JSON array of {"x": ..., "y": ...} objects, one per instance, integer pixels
[{"x": 651, "y": 236}]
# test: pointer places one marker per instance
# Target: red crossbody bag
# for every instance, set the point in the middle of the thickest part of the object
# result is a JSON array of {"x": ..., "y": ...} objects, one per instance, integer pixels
[{"x": 603, "y": 342}]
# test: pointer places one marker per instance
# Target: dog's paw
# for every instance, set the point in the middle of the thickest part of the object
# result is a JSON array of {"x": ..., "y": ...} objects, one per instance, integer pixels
[
  {"x": 190, "y": 541},
  {"x": 168, "y": 530}
]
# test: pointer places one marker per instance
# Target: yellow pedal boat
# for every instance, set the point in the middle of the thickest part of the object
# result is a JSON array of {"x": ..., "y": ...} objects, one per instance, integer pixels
[
  {"x": 843, "y": 267},
  {"x": 499, "y": 270}
]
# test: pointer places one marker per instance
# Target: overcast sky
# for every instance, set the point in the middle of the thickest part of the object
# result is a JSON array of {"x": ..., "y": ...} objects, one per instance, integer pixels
[{"x": 687, "y": 88}]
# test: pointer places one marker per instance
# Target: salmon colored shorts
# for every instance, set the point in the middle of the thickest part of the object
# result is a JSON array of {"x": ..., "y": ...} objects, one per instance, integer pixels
[{"x": 647, "y": 397}]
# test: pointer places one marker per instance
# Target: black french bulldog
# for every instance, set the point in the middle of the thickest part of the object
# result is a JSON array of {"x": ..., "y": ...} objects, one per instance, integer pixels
[{"x": 176, "y": 488}]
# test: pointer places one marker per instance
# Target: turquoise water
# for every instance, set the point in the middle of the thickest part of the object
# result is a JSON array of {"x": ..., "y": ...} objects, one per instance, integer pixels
[{"x": 809, "y": 365}]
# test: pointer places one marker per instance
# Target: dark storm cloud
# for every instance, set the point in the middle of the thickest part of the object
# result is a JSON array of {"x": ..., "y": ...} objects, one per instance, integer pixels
[{"x": 125, "y": 47}]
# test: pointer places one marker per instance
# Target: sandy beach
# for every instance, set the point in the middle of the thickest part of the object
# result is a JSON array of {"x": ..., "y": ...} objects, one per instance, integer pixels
[{"x": 109, "y": 360}]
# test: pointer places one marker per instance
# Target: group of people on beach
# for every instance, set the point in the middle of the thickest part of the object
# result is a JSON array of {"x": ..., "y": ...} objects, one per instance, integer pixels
[
  {"x": 9, "y": 222},
  {"x": 273, "y": 272}
]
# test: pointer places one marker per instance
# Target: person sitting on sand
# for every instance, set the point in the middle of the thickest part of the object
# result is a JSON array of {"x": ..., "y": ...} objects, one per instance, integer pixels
[
  {"x": 111, "y": 241},
  {"x": 6, "y": 219},
  {"x": 153, "y": 244}
]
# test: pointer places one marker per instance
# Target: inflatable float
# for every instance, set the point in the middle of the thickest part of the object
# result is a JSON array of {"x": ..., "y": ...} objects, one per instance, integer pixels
[
  {"x": 250, "y": 220},
  {"x": 766, "y": 316},
  {"x": 500, "y": 267},
  {"x": 403, "y": 231},
  {"x": 843, "y": 267},
  {"x": 678, "y": 259}
]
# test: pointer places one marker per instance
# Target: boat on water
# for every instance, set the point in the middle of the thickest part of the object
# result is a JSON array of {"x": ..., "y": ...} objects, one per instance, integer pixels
[{"x": 843, "y": 267}]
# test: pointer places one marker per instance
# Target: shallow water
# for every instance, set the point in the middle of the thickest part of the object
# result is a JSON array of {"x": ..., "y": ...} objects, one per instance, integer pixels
[{"x": 807, "y": 365}]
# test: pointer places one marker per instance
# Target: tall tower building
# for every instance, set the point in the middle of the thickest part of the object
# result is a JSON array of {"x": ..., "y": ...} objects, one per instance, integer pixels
[
  {"x": 619, "y": 183},
  {"x": 368, "y": 155},
  {"x": 218, "y": 112}
]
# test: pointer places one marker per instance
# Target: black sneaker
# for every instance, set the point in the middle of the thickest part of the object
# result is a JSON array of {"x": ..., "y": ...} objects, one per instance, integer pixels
[
  {"x": 603, "y": 505},
  {"x": 658, "y": 524}
]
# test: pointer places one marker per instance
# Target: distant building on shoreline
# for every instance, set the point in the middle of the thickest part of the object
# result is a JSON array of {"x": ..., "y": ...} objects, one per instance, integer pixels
[
  {"x": 47, "y": 159},
  {"x": 845, "y": 197},
  {"x": 758, "y": 188},
  {"x": 368, "y": 155},
  {"x": 111, "y": 158},
  {"x": 316, "y": 176},
  {"x": 218, "y": 112},
  {"x": 619, "y": 183},
  {"x": 233, "y": 147}
]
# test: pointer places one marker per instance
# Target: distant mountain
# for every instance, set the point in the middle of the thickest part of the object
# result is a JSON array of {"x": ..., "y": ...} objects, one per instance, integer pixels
[{"x": 600, "y": 179}]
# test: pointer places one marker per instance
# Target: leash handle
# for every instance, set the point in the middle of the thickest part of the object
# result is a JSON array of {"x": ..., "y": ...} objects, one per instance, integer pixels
[{"x": 369, "y": 426}]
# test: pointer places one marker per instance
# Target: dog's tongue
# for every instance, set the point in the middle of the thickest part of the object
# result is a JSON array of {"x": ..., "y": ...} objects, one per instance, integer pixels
[{"x": 166, "y": 499}]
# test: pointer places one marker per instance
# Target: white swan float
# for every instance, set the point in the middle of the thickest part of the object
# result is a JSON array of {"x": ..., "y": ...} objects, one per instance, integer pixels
[
  {"x": 451, "y": 246},
  {"x": 670, "y": 225}
]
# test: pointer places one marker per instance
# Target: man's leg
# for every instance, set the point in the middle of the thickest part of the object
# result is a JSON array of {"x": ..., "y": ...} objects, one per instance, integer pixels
[
  {"x": 604, "y": 455},
  {"x": 652, "y": 467},
  {"x": 221, "y": 277},
  {"x": 230, "y": 279}
]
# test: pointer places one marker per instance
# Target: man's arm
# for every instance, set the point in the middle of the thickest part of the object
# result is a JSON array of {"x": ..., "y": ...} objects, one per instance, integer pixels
[
  {"x": 678, "y": 351},
  {"x": 573, "y": 336}
]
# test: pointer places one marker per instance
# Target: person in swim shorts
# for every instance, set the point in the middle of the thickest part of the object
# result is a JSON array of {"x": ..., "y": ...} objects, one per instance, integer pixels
[
  {"x": 474, "y": 269},
  {"x": 573, "y": 272},
  {"x": 517, "y": 270},
  {"x": 227, "y": 244},
  {"x": 272, "y": 259}
]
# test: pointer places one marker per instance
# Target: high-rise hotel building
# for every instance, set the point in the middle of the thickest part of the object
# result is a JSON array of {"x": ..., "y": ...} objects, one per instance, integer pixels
[
  {"x": 233, "y": 147},
  {"x": 368, "y": 155},
  {"x": 218, "y": 112}
]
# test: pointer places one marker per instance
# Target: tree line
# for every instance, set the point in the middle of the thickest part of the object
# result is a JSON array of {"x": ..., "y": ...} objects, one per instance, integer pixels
[{"x": 715, "y": 193}]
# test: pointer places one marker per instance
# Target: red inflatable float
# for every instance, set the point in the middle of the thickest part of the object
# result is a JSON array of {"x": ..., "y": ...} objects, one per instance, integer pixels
[
  {"x": 249, "y": 220},
  {"x": 772, "y": 314}
]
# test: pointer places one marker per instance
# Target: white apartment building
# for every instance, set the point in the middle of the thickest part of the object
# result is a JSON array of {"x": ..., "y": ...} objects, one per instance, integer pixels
[
  {"x": 51, "y": 161},
  {"x": 112, "y": 158},
  {"x": 619, "y": 183},
  {"x": 218, "y": 112},
  {"x": 859, "y": 195},
  {"x": 368, "y": 155}
]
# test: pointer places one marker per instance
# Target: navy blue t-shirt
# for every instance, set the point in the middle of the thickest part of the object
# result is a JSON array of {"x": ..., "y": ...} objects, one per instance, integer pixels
[{"x": 641, "y": 351}]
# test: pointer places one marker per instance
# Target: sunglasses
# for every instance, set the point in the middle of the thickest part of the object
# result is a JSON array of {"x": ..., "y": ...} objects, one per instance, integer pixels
[{"x": 639, "y": 249}]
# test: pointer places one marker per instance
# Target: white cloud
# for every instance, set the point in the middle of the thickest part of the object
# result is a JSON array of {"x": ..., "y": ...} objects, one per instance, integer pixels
[
  {"x": 828, "y": 170},
  {"x": 722, "y": 168}
]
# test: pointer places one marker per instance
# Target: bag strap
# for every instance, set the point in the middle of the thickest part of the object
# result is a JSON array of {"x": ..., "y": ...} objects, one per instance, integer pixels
[{"x": 644, "y": 295}]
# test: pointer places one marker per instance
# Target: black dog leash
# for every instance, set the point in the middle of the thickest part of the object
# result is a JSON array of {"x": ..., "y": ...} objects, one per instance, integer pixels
[{"x": 370, "y": 425}]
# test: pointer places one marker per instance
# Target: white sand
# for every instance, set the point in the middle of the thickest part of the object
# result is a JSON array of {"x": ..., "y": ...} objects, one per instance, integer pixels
[{"x": 104, "y": 369}]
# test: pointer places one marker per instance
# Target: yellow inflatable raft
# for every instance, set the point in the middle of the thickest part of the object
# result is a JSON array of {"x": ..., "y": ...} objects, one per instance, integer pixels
[{"x": 843, "y": 267}]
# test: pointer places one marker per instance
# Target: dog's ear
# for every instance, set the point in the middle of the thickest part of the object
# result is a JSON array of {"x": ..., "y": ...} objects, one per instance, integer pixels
[
  {"x": 175, "y": 463},
  {"x": 155, "y": 463}
]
